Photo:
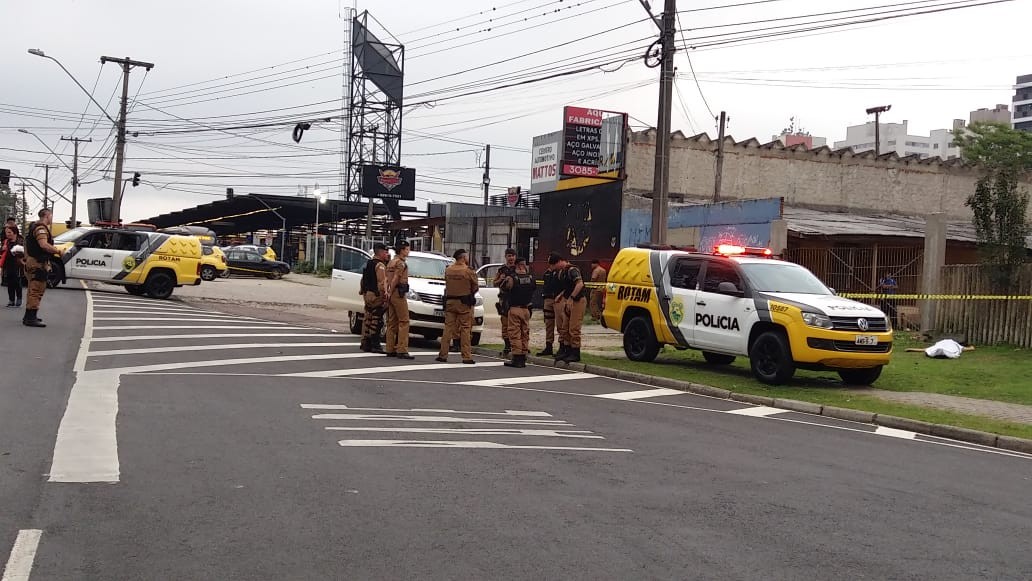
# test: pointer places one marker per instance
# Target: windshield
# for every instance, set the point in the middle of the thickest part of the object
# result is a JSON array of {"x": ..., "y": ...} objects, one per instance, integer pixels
[
  {"x": 782, "y": 277},
  {"x": 70, "y": 235},
  {"x": 427, "y": 267}
]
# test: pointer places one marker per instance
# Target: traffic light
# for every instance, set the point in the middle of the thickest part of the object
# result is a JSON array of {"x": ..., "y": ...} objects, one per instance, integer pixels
[{"x": 136, "y": 179}]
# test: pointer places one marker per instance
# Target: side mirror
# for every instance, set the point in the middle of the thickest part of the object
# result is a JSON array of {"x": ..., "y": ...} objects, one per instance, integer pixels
[
  {"x": 728, "y": 288},
  {"x": 833, "y": 291}
]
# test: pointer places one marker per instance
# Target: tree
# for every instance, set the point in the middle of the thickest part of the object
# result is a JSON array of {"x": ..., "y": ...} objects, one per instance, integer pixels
[
  {"x": 10, "y": 205},
  {"x": 998, "y": 203}
]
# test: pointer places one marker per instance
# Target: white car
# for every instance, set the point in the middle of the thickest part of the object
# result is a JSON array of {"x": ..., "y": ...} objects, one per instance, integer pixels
[{"x": 425, "y": 297}]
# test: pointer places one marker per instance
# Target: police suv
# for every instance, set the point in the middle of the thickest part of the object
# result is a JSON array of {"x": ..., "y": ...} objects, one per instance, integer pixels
[
  {"x": 743, "y": 302},
  {"x": 144, "y": 262}
]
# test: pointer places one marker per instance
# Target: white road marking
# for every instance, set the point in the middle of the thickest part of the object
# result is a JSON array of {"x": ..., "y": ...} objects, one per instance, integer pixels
[
  {"x": 629, "y": 395},
  {"x": 170, "y": 312},
  {"x": 444, "y": 419},
  {"x": 500, "y": 381},
  {"x": 528, "y": 414},
  {"x": 23, "y": 555},
  {"x": 152, "y": 327},
  {"x": 894, "y": 433},
  {"x": 198, "y": 318},
  {"x": 87, "y": 336},
  {"x": 205, "y": 336},
  {"x": 480, "y": 432},
  {"x": 759, "y": 411},
  {"x": 458, "y": 444},
  {"x": 386, "y": 369},
  {"x": 144, "y": 350}
]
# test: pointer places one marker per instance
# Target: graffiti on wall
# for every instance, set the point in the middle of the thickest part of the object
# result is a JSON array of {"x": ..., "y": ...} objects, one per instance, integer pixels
[
  {"x": 582, "y": 223},
  {"x": 743, "y": 223}
]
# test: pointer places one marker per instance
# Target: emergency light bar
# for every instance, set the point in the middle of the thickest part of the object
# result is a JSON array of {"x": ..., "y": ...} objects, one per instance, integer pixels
[{"x": 731, "y": 250}]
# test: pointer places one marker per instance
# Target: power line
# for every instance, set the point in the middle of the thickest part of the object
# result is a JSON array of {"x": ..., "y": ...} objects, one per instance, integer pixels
[{"x": 691, "y": 67}]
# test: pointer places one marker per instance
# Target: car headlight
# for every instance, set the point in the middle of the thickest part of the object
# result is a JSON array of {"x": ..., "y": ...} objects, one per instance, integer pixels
[
  {"x": 817, "y": 320},
  {"x": 412, "y": 296},
  {"x": 480, "y": 301}
]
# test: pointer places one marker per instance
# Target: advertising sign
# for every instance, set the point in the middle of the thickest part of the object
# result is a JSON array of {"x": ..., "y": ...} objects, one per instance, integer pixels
[
  {"x": 582, "y": 141},
  {"x": 544, "y": 168},
  {"x": 388, "y": 182}
]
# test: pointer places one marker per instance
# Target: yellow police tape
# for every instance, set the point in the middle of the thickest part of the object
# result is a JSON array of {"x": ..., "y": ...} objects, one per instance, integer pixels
[{"x": 936, "y": 297}]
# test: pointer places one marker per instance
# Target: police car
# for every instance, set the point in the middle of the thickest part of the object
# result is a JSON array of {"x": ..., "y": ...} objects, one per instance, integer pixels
[
  {"x": 425, "y": 297},
  {"x": 741, "y": 301},
  {"x": 144, "y": 262}
]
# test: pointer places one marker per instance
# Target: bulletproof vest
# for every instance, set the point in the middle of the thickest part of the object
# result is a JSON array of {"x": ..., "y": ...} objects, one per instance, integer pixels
[
  {"x": 32, "y": 247},
  {"x": 507, "y": 271},
  {"x": 570, "y": 277},
  {"x": 369, "y": 276},
  {"x": 522, "y": 289},
  {"x": 551, "y": 285}
]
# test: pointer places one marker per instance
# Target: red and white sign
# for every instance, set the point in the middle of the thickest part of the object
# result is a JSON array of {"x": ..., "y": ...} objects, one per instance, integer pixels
[
  {"x": 583, "y": 116},
  {"x": 582, "y": 141}
]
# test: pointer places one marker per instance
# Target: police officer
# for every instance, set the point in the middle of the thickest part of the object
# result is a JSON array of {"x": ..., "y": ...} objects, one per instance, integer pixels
[
  {"x": 598, "y": 277},
  {"x": 506, "y": 270},
  {"x": 570, "y": 307},
  {"x": 397, "y": 303},
  {"x": 549, "y": 289},
  {"x": 39, "y": 250},
  {"x": 521, "y": 286},
  {"x": 374, "y": 293},
  {"x": 460, "y": 289}
]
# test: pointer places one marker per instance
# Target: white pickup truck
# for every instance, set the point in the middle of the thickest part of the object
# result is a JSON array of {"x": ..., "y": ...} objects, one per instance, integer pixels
[{"x": 425, "y": 298}]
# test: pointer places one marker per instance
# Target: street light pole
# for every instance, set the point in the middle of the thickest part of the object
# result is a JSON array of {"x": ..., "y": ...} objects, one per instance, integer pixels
[
  {"x": 877, "y": 111},
  {"x": 319, "y": 199},
  {"x": 75, "y": 173}
]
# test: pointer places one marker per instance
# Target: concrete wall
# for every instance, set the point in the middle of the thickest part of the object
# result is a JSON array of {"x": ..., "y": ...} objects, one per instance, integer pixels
[{"x": 820, "y": 178}]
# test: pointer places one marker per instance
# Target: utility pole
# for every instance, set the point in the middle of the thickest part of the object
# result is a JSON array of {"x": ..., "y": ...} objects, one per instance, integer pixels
[
  {"x": 127, "y": 65},
  {"x": 719, "y": 177},
  {"x": 46, "y": 183},
  {"x": 487, "y": 171},
  {"x": 24, "y": 208},
  {"x": 485, "y": 256},
  {"x": 75, "y": 172},
  {"x": 877, "y": 111},
  {"x": 661, "y": 178}
]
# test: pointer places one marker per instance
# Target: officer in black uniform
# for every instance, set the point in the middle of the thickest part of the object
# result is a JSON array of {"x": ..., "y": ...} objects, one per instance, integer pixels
[
  {"x": 521, "y": 286},
  {"x": 374, "y": 294},
  {"x": 549, "y": 289},
  {"x": 506, "y": 270}
]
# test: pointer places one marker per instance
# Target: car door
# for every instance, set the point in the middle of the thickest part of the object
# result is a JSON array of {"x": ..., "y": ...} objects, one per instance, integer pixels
[
  {"x": 348, "y": 263},
  {"x": 123, "y": 246},
  {"x": 92, "y": 259},
  {"x": 237, "y": 262},
  {"x": 720, "y": 314},
  {"x": 684, "y": 281}
]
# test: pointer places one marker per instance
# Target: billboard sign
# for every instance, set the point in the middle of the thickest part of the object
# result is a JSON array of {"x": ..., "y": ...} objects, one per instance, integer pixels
[
  {"x": 544, "y": 168},
  {"x": 582, "y": 141},
  {"x": 388, "y": 182}
]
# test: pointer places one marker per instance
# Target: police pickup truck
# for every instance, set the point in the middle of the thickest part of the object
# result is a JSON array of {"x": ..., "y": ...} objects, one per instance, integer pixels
[
  {"x": 144, "y": 262},
  {"x": 743, "y": 302}
]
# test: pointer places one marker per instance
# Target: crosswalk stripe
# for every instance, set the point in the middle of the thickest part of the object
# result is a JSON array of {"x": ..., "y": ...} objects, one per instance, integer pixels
[
  {"x": 152, "y": 327},
  {"x": 169, "y": 313},
  {"x": 477, "y": 431},
  {"x": 458, "y": 444},
  {"x": 389, "y": 369},
  {"x": 435, "y": 419},
  {"x": 198, "y": 318},
  {"x": 245, "y": 361},
  {"x": 757, "y": 411},
  {"x": 206, "y": 336},
  {"x": 640, "y": 394},
  {"x": 527, "y": 379},
  {"x": 144, "y": 350},
  {"x": 521, "y": 413},
  {"x": 894, "y": 433}
]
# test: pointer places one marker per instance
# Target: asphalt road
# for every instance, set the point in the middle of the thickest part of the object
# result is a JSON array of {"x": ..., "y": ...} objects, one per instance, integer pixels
[{"x": 189, "y": 444}]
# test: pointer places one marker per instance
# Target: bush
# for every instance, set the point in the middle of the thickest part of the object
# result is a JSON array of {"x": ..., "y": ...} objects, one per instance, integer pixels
[
  {"x": 304, "y": 267},
  {"x": 324, "y": 271}
]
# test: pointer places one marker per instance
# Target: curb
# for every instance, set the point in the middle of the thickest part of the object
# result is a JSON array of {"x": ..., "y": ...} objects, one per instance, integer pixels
[{"x": 991, "y": 440}]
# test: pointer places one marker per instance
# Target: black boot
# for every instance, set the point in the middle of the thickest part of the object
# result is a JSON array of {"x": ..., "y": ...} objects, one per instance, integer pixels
[
  {"x": 364, "y": 345},
  {"x": 561, "y": 352},
  {"x": 374, "y": 345},
  {"x": 572, "y": 355},
  {"x": 30, "y": 319},
  {"x": 507, "y": 349},
  {"x": 517, "y": 361},
  {"x": 547, "y": 350}
]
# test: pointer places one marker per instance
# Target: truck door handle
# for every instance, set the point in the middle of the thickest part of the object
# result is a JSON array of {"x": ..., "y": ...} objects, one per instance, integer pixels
[{"x": 701, "y": 303}]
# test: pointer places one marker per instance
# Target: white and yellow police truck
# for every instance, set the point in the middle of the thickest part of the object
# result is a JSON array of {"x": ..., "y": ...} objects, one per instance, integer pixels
[{"x": 743, "y": 302}]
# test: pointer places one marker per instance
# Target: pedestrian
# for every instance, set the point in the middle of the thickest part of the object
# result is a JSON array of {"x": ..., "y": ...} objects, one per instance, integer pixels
[
  {"x": 374, "y": 294},
  {"x": 12, "y": 259},
  {"x": 39, "y": 247},
  {"x": 570, "y": 307},
  {"x": 397, "y": 304},
  {"x": 10, "y": 223},
  {"x": 521, "y": 287},
  {"x": 506, "y": 270},
  {"x": 549, "y": 289},
  {"x": 888, "y": 287},
  {"x": 598, "y": 293},
  {"x": 460, "y": 290}
]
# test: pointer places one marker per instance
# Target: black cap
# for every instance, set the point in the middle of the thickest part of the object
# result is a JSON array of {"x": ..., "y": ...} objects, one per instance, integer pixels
[
  {"x": 510, "y": 252},
  {"x": 400, "y": 245},
  {"x": 521, "y": 260},
  {"x": 379, "y": 246},
  {"x": 458, "y": 253},
  {"x": 554, "y": 259}
]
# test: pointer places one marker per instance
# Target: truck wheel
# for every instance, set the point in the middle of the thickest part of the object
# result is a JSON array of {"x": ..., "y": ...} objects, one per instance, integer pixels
[
  {"x": 474, "y": 339},
  {"x": 135, "y": 289},
  {"x": 771, "y": 358},
  {"x": 159, "y": 285},
  {"x": 208, "y": 273},
  {"x": 639, "y": 340},
  {"x": 354, "y": 323},
  {"x": 865, "y": 376},
  {"x": 718, "y": 358}
]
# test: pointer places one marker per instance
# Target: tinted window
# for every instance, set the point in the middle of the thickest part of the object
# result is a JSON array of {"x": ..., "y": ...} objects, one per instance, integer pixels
[
  {"x": 125, "y": 241},
  {"x": 686, "y": 273},
  {"x": 783, "y": 277},
  {"x": 718, "y": 272},
  {"x": 349, "y": 259}
]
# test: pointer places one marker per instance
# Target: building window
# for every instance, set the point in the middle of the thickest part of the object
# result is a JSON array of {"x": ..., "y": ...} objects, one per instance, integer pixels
[{"x": 935, "y": 146}]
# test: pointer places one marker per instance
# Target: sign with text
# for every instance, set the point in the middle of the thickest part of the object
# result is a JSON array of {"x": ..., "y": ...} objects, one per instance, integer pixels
[
  {"x": 388, "y": 182},
  {"x": 582, "y": 141},
  {"x": 544, "y": 163}
]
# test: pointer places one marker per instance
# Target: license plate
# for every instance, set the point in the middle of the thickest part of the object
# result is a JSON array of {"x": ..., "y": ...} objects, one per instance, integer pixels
[
  {"x": 439, "y": 313},
  {"x": 866, "y": 340}
]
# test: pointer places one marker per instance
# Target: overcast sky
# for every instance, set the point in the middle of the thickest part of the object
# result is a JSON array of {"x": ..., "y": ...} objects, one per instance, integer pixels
[{"x": 931, "y": 68}]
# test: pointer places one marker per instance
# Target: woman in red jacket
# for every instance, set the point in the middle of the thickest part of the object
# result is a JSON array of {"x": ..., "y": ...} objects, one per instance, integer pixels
[{"x": 11, "y": 255}]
